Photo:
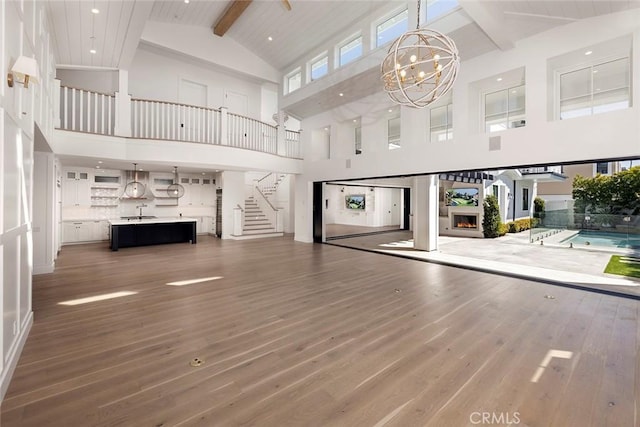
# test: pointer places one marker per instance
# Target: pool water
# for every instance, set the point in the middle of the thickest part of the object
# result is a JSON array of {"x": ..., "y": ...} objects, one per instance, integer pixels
[{"x": 599, "y": 238}]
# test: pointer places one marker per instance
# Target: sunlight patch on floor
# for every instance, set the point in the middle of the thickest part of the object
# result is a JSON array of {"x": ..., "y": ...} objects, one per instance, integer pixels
[
  {"x": 194, "y": 281},
  {"x": 97, "y": 298},
  {"x": 402, "y": 244}
]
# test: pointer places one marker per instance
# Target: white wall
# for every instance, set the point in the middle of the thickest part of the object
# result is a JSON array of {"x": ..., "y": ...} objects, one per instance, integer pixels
[
  {"x": 104, "y": 81},
  {"x": 610, "y": 135},
  {"x": 156, "y": 75},
  {"x": 20, "y": 34},
  {"x": 44, "y": 224},
  {"x": 382, "y": 206}
]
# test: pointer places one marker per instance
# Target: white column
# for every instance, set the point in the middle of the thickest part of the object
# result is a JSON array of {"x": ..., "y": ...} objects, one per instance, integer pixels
[
  {"x": 425, "y": 213},
  {"x": 224, "y": 126},
  {"x": 44, "y": 223},
  {"x": 232, "y": 196},
  {"x": 123, "y": 105},
  {"x": 281, "y": 133}
]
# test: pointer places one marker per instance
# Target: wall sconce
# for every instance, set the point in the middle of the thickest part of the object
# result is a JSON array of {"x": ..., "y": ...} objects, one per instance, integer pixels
[
  {"x": 23, "y": 71},
  {"x": 342, "y": 190}
]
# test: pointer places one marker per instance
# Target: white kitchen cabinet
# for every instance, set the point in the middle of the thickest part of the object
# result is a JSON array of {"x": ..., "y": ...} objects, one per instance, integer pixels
[
  {"x": 77, "y": 231},
  {"x": 76, "y": 188},
  {"x": 85, "y": 231},
  {"x": 198, "y": 191}
]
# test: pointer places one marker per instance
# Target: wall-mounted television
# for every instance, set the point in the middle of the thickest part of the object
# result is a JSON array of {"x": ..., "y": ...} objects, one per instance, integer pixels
[
  {"x": 354, "y": 201},
  {"x": 461, "y": 197}
]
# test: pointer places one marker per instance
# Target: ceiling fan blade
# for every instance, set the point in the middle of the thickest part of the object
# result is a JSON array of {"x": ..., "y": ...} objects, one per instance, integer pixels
[{"x": 286, "y": 4}]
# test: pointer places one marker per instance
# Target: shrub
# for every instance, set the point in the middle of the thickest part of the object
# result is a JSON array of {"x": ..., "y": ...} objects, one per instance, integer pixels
[
  {"x": 521, "y": 224},
  {"x": 491, "y": 221},
  {"x": 503, "y": 229},
  {"x": 538, "y": 208}
]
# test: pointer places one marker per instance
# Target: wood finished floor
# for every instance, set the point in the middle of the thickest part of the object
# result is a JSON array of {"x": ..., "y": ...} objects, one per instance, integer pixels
[{"x": 298, "y": 334}]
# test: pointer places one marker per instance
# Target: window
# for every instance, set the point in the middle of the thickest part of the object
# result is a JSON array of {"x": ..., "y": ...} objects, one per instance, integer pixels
[
  {"x": 441, "y": 123},
  {"x": 496, "y": 190},
  {"x": 602, "y": 168},
  {"x": 595, "y": 89},
  {"x": 504, "y": 109},
  {"x": 350, "y": 51},
  {"x": 293, "y": 81},
  {"x": 394, "y": 133},
  {"x": 437, "y": 8},
  {"x": 392, "y": 28},
  {"x": 358, "y": 140},
  {"x": 628, "y": 164},
  {"x": 525, "y": 199},
  {"x": 319, "y": 67}
]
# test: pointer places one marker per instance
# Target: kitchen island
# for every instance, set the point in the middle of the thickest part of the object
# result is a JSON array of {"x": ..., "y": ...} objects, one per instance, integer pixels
[{"x": 136, "y": 231}]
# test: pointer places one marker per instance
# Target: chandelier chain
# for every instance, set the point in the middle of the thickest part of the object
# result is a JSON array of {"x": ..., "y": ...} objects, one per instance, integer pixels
[{"x": 418, "y": 18}]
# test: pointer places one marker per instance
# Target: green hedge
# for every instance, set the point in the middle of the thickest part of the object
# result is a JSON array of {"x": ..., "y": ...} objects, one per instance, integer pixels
[{"x": 521, "y": 224}]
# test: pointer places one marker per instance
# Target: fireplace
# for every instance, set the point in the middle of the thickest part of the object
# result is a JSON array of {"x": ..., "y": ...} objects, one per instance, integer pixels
[{"x": 464, "y": 222}]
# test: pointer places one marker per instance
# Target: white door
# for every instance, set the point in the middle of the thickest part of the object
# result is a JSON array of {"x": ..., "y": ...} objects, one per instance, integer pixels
[
  {"x": 192, "y": 93},
  {"x": 194, "y": 120},
  {"x": 236, "y": 103}
]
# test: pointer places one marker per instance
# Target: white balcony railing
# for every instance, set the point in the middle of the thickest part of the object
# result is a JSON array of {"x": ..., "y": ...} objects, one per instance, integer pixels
[
  {"x": 175, "y": 122},
  {"x": 93, "y": 112},
  {"x": 85, "y": 111},
  {"x": 252, "y": 134}
]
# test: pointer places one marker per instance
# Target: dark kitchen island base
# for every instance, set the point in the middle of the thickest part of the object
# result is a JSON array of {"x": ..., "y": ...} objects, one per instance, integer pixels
[{"x": 151, "y": 233}]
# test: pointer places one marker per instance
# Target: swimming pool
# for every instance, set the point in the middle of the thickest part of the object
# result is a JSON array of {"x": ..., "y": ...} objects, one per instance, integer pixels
[{"x": 601, "y": 238}]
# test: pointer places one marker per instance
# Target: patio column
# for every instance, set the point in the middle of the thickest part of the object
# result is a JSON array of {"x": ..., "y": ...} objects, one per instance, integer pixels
[{"x": 425, "y": 213}]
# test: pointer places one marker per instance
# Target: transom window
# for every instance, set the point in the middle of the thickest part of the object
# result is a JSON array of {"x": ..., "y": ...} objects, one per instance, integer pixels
[
  {"x": 504, "y": 109},
  {"x": 319, "y": 67},
  {"x": 437, "y": 8},
  {"x": 350, "y": 51},
  {"x": 441, "y": 123},
  {"x": 392, "y": 28},
  {"x": 595, "y": 89},
  {"x": 293, "y": 81}
]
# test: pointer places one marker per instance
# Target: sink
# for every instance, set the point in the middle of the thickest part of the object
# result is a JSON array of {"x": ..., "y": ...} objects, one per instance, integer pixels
[{"x": 138, "y": 217}]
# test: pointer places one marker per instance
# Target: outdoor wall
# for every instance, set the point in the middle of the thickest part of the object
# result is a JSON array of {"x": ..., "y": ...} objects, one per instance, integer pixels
[
  {"x": 565, "y": 188},
  {"x": 21, "y": 33},
  {"x": 541, "y": 141}
]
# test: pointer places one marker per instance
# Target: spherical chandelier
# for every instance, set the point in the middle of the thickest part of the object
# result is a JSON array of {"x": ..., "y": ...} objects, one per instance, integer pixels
[{"x": 421, "y": 66}]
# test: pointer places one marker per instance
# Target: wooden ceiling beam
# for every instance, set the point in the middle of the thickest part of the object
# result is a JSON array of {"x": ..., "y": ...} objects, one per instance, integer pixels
[{"x": 231, "y": 15}]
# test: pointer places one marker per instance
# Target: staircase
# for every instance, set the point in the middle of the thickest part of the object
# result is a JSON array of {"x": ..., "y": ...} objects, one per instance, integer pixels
[
  {"x": 269, "y": 184},
  {"x": 256, "y": 223}
]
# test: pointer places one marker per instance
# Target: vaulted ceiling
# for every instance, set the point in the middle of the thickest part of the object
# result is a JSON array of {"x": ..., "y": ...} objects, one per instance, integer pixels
[{"x": 282, "y": 37}]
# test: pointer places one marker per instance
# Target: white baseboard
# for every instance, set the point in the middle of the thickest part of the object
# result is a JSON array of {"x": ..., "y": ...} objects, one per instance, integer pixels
[
  {"x": 14, "y": 356},
  {"x": 44, "y": 269}
]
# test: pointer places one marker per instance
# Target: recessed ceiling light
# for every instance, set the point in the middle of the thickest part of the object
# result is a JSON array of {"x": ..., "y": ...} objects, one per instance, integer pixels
[
  {"x": 97, "y": 167},
  {"x": 270, "y": 38},
  {"x": 140, "y": 169},
  {"x": 499, "y": 79},
  {"x": 93, "y": 51},
  {"x": 589, "y": 52},
  {"x": 513, "y": 91},
  {"x": 100, "y": 161},
  {"x": 595, "y": 71},
  {"x": 355, "y": 121},
  {"x": 341, "y": 94},
  {"x": 186, "y": 1},
  {"x": 203, "y": 173},
  {"x": 326, "y": 128},
  {"x": 95, "y": 11},
  {"x": 390, "y": 110}
]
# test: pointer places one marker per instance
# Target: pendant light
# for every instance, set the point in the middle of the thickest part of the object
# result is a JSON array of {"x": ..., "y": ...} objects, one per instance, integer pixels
[{"x": 175, "y": 190}]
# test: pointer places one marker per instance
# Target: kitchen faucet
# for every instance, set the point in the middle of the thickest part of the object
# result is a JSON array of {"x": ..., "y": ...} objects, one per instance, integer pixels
[{"x": 140, "y": 207}]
